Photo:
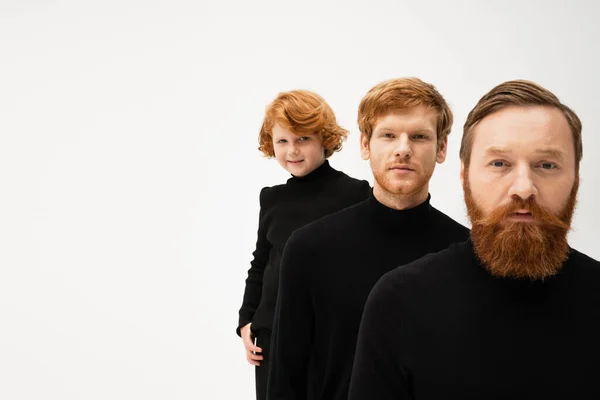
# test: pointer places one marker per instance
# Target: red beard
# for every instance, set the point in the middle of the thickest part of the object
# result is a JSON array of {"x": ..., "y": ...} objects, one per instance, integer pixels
[{"x": 523, "y": 250}]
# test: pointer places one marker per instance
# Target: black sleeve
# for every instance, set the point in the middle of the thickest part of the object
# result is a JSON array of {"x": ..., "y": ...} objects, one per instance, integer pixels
[
  {"x": 378, "y": 372},
  {"x": 253, "y": 291},
  {"x": 292, "y": 326}
]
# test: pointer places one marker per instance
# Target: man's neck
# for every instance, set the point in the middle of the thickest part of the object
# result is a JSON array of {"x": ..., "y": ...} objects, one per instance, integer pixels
[{"x": 400, "y": 201}]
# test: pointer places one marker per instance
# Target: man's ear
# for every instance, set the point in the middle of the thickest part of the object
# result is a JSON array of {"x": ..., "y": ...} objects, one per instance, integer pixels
[
  {"x": 462, "y": 174},
  {"x": 442, "y": 150},
  {"x": 365, "y": 152}
]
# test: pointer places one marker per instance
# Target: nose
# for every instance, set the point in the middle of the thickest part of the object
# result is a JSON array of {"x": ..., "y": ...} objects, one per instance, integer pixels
[
  {"x": 523, "y": 185},
  {"x": 403, "y": 149},
  {"x": 293, "y": 149}
]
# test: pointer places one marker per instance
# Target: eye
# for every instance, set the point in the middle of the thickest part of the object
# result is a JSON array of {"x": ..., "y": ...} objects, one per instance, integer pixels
[
  {"x": 303, "y": 138},
  {"x": 499, "y": 163},
  {"x": 548, "y": 165},
  {"x": 420, "y": 136},
  {"x": 388, "y": 135},
  {"x": 281, "y": 141}
]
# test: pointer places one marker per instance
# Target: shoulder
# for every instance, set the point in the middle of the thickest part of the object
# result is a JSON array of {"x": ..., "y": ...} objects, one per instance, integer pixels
[
  {"x": 584, "y": 261},
  {"x": 407, "y": 294},
  {"x": 420, "y": 273},
  {"x": 417, "y": 283},
  {"x": 269, "y": 194},
  {"x": 344, "y": 181},
  {"x": 343, "y": 177},
  {"x": 447, "y": 225},
  {"x": 332, "y": 228}
]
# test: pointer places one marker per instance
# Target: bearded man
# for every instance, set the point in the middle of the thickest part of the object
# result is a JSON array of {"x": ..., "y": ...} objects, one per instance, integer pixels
[{"x": 514, "y": 312}]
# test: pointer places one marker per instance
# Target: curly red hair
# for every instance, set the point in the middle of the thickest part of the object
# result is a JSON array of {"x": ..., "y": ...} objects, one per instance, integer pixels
[{"x": 302, "y": 112}]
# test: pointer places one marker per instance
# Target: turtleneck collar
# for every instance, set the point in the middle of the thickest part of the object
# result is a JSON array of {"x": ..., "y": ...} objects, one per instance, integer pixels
[
  {"x": 410, "y": 219},
  {"x": 322, "y": 171}
]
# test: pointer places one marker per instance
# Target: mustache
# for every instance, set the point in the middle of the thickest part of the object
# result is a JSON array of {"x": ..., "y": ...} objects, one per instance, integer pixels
[{"x": 539, "y": 213}]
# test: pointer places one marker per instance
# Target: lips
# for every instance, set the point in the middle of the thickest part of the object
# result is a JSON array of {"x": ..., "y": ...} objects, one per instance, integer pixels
[
  {"x": 295, "y": 162},
  {"x": 522, "y": 216},
  {"x": 402, "y": 168},
  {"x": 522, "y": 212}
]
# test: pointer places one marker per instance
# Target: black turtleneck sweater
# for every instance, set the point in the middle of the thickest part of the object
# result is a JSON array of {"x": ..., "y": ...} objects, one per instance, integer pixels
[
  {"x": 283, "y": 209},
  {"x": 328, "y": 269},
  {"x": 444, "y": 328}
]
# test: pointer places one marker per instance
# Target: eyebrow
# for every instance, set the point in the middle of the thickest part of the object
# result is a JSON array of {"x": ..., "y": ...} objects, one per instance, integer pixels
[
  {"x": 552, "y": 152},
  {"x": 418, "y": 130},
  {"x": 296, "y": 136}
]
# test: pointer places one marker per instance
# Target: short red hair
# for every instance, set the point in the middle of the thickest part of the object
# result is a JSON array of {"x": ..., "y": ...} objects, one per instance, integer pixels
[
  {"x": 520, "y": 93},
  {"x": 302, "y": 112},
  {"x": 399, "y": 94}
]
